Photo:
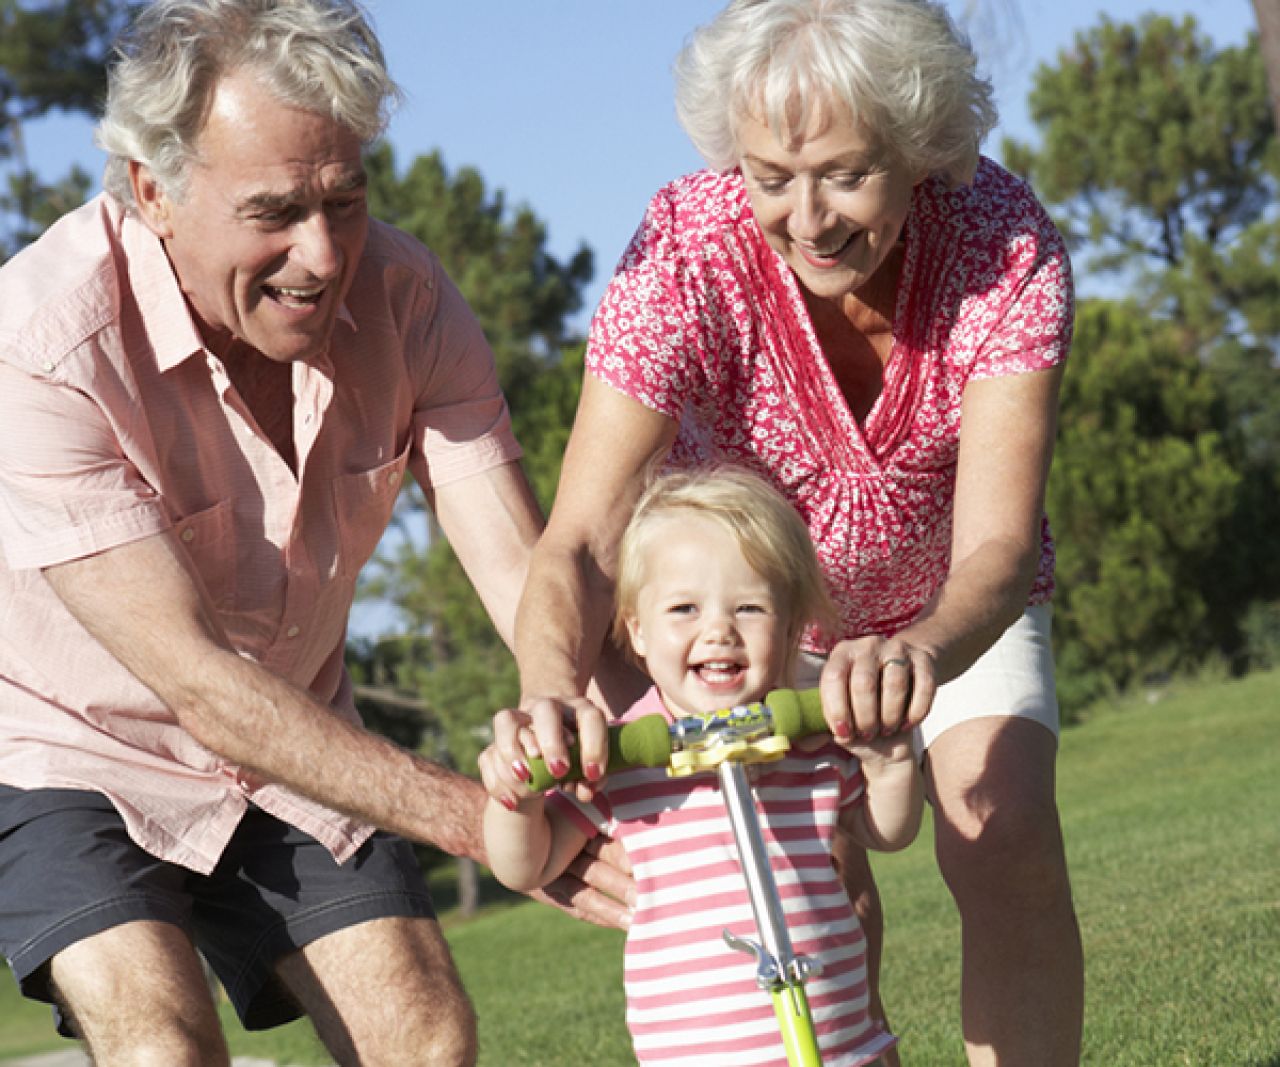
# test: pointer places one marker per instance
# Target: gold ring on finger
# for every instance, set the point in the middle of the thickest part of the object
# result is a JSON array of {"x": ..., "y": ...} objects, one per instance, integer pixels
[{"x": 897, "y": 661}]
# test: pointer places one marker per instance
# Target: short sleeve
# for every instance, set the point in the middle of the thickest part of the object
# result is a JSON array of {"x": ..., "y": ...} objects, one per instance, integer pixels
[
  {"x": 640, "y": 339},
  {"x": 1034, "y": 328},
  {"x": 461, "y": 422},
  {"x": 66, "y": 488}
]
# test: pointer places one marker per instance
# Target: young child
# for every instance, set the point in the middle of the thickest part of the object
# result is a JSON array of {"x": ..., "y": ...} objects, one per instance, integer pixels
[{"x": 717, "y": 579}]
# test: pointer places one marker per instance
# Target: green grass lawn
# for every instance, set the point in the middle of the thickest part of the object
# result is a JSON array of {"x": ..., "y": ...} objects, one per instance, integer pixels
[{"x": 1172, "y": 817}]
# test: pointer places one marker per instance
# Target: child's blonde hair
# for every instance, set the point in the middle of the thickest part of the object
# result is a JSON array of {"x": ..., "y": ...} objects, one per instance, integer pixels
[{"x": 769, "y": 532}]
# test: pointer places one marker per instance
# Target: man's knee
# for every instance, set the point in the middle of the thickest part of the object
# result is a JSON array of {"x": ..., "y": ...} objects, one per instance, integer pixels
[
  {"x": 435, "y": 1029},
  {"x": 144, "y": 1027},
  {"x": 137, "y": 994},
  {"x": 447, "y": 1033},
  {"x": 385, "y": 992}
]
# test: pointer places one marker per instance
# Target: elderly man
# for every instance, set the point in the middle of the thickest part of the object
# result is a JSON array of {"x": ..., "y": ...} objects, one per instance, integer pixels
[{"x": 213, "y": 378}]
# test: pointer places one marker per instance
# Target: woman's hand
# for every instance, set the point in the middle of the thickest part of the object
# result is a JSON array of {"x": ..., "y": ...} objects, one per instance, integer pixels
[
  {"x": 876, "y": 687},
  {"x": 544, "y": 728}
]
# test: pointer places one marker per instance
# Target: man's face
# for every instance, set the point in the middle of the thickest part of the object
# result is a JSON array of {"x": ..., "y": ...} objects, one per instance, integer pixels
[{"x": 267, "y": 236}]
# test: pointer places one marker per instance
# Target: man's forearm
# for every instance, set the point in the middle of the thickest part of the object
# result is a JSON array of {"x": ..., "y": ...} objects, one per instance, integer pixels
[{"x": 266, "y": 725}]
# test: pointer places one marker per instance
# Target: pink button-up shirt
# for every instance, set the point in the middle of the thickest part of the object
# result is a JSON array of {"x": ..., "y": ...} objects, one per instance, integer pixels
[
  {"x": 116, "y": 423},
  {"x": 705, "y": 323}
]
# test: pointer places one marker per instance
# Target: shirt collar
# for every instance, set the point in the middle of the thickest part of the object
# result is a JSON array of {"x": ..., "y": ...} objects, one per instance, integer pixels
[{"x": 166, "y": 318}]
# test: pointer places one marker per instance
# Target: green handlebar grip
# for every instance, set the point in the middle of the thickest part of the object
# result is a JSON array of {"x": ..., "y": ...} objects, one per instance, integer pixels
[
  {"x": 796, "y": 712},
  {"x": 642, "y": 742}
]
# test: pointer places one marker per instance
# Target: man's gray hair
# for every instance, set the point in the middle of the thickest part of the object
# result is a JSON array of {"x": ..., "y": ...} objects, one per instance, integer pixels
[
  {"x": 315, "y": 55},
  {"x": 900, "y": 68}
]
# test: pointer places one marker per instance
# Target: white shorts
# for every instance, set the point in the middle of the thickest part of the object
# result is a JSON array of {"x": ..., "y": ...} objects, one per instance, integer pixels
[{"x": 1014, "y": 677}]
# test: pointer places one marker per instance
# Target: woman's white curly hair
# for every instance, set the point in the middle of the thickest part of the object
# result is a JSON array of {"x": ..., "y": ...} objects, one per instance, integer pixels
[{"x": 901, "y": 69}]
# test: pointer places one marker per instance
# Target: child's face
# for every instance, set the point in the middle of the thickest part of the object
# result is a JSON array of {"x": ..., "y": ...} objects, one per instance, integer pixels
[{"x": 712, "y": 631}]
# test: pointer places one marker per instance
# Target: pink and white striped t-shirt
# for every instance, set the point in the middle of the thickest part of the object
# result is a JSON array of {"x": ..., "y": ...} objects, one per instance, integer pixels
[
  {"x": 704, "y": 322},
  {"x": 693, "y": 1001}
]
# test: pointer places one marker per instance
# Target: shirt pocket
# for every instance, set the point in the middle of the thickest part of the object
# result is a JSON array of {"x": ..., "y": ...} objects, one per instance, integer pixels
[
  {"x": 363, "y": 503},
  {"x": 208, "y": 538}
]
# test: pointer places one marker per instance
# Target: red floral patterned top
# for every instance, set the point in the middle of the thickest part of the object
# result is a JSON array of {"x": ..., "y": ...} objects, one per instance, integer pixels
[{"x": 704, "y": 323}]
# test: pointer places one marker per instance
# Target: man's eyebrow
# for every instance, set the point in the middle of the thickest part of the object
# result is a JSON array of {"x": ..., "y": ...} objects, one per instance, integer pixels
[{"x": 269, "y": 201}]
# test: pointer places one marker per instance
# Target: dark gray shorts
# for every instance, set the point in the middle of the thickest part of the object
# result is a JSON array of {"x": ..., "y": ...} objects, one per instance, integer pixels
[{"x": 68, "y": 870}]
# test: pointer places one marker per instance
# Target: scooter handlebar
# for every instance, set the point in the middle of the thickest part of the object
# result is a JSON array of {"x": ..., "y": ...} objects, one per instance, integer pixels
[{"x": 647, "y": 741}]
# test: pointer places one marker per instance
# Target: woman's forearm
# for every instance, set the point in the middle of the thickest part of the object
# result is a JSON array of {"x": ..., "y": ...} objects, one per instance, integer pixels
[
  {"x": 981, "y": 598},
  {"x": 562, "y": 621}
]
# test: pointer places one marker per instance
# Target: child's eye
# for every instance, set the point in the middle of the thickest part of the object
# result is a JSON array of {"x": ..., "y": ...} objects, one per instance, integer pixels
[
  {"x": 752, "y": 609},
  {"x": 682, "y": 609}
]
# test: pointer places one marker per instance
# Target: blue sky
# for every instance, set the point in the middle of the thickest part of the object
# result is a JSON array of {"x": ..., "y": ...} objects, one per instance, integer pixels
[{"x": 566, "y": 105}]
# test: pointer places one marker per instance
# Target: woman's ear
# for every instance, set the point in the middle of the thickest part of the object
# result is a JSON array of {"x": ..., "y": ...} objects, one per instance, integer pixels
[{"x": 151, "y": 200}]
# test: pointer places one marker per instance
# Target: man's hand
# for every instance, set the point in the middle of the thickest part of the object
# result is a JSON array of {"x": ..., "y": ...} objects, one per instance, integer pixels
[{"x": 597, "y": 887}]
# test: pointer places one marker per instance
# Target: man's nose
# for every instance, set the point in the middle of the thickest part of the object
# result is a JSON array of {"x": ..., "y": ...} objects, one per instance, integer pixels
[{"x": 316, "y": 247}]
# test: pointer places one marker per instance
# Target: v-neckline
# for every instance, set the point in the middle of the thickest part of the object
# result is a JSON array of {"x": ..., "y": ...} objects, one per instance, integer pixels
[{"x": 827, "y": 407}]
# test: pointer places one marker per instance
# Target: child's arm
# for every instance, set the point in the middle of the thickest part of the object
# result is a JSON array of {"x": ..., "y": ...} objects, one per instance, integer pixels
[
  {"x": 889, "y": 816},
  {"x": 528, "y": 843},
  {"x": 530, "y": 846}
]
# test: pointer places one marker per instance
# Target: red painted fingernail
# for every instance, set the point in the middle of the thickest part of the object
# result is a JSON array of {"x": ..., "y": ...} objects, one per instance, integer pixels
[
  {"x": 593, "y": 772},
  {"x": 558, "y": 767},
  {"x": 841, "y": 730},
  {"x": 507, "y": 803},
  {"x": 521, "y": 770}
]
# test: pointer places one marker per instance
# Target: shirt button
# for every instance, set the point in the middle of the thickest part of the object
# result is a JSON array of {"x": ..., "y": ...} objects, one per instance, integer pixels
[
  {"x": 188, "y": 534},
  {"x": 293, "y": 631}
]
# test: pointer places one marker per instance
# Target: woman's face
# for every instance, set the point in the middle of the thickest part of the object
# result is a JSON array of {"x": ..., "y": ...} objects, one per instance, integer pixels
[{"x": 829, "y": 199}]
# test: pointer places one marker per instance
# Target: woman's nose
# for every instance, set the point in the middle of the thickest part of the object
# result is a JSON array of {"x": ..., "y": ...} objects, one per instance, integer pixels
[{"x": 809, "y": 214}]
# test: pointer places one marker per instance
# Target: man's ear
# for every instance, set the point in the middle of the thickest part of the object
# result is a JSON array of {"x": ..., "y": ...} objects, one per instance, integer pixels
[{"x": 151, "y": 200}]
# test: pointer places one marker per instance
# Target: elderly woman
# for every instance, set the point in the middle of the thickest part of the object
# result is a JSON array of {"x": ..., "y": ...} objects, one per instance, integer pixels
[{"x": 856, "y": 304}]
